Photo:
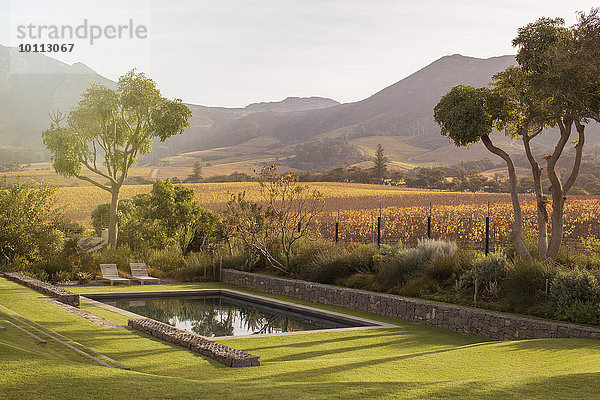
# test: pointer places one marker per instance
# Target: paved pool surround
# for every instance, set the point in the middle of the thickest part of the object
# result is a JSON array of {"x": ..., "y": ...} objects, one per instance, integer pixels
[
  {"x": 487, "y": 324},
  {"x": 62, "y": 295}
]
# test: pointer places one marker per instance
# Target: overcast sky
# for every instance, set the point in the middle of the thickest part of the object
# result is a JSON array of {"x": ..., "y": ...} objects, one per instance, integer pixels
[{"x": 232, "y": 53}]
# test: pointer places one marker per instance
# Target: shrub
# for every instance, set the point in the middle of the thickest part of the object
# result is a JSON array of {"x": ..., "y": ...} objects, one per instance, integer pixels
[
  {"x": 526, "y": 283},
  {"x": 26, "y": 234},
  {"x": 577, "y": 284},
  {"x": 326, "y": 262},
  {"x": 243, "y": 261},
  {"x": 436, "y": 248},
  {"x": 445, "y": 269},
  {"x": 492, "y": 268},
  {"x": 362, "y": 281},
  {"x": 398, "y": 270},
  {"x": 197, "y": 267},
  {"x": 61, "y": 276},
  {"x": 83, "y": 278},
  {"x": 54, "y": 265},
  {"x": 418, "y": 287},
  {"x": 583, "y": 312},
  {"x": 121, "y": 256},
  {"x": 168, "y": 260}
]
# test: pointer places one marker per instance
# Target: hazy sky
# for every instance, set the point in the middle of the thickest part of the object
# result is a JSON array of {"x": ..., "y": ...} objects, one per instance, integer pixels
[{"x": 231, "y": 53}]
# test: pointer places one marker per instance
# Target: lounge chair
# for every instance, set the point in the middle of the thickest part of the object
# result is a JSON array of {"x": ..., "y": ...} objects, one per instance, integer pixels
[
  {"x": 110, "y": 274},
  {"x": 139, "y": 273}
]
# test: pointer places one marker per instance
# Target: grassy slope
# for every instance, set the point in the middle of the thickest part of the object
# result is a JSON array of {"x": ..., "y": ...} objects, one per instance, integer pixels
[{"x": 407, "y": 362}]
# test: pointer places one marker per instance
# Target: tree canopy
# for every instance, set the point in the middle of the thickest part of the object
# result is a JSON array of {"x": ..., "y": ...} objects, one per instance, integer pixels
[{"x": 107, "y": 131}]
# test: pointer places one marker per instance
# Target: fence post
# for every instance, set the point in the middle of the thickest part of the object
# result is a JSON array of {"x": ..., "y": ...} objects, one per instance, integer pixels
[
  {"x": 337, "y": 230},
  {"x": 429, "y": 222},
  {"x": 379, "y": 231},
  {"x": 487, "y": 235},
  {"x": 475, "y": 295},
  {"x": 429, "y": 227},
  {"x": 546, "y": 297},
  {"x": 487, "y": 230}
]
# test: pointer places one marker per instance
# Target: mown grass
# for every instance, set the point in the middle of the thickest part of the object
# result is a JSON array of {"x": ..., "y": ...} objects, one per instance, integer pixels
[{"x": 405, "y": 362}]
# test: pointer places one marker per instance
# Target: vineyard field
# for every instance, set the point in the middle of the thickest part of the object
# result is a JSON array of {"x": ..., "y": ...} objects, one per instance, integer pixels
[{"x": 455, "y": 215}]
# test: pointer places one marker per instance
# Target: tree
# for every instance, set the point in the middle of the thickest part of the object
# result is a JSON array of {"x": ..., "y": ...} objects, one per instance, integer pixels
[
  {"x": 561, "y": 64},
  {"x": 196, "y": 175},
  {"x": 166, "y": 216},
  {"x": 555, "y": 84},
  {"x": 528, "y": 114},
  {"x": 381, "y": 161},
  {"x": 107, "y": 131},
  {"x": 288, "y": 210},
  {"x": 468, "y": 115},
  {"x": 27, "y": 215}
]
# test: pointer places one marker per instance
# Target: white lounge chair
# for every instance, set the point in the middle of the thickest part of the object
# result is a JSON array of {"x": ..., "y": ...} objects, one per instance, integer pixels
[
  {"x": 139, "y": 273},
  {"x": 111, "y": 274}
]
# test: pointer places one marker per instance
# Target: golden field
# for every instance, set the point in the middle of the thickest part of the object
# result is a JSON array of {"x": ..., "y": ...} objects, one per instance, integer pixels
[{"x": 455, "y": 215}]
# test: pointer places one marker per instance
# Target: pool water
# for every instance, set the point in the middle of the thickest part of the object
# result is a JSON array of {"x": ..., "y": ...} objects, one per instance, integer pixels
[{"x": 220, "y": 315}]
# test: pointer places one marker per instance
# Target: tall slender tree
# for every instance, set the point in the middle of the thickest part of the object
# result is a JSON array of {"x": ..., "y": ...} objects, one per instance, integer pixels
[{"x": 381, "y": 162}]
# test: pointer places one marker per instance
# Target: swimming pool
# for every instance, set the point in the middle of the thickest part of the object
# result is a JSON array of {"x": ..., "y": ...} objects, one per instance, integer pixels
[{"x": 225, "y": 313}]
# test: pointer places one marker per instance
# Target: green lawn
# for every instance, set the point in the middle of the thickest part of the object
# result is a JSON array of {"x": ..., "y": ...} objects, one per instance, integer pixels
[{"x": 406, "y": 362}]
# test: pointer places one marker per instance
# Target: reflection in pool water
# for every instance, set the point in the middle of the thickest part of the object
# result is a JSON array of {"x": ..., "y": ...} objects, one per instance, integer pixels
[{"x": 212, "y": 316}]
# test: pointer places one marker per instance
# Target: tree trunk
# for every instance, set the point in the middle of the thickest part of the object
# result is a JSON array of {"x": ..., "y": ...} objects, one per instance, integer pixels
[
  {"x": 113, "y": 226},
  {"x": 541, "y": 201},
  {"x": 517, "y": 228},
  {"x": 559, "y": 193}
]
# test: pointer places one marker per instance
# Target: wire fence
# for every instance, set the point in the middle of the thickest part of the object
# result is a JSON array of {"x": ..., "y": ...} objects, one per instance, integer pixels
[{"x": 474, "y": 231}]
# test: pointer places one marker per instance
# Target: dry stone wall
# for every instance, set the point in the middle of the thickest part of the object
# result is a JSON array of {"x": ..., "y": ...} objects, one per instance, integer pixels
[
  {"x": 63, "y": 295},
  {"x": 196, "y": 343},
  {"x": 488, "y": 324}
]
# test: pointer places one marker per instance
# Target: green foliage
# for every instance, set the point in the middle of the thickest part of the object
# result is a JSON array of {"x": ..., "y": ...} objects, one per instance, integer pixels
[
  {"x": 577, "y": 284},
  {"x": 121, "y": 256},
  {"x": 107, "y": 131},
  {"x": 444, "y": 268},
  {"x": 26, "y": 214},
  {"x": 381, "y": 161},
  {"x": 197, "y": 267},
  {"x": 582, "y": 312},
  {"x": 397, "y": 270},
  {"x": 362, "y": 281},
  {"x": 61, "y": 276},
  {"x": 327, "y": 262},
  {"x": 465, "y": 114},
  {"x": 101, "y": 214},
  {"x": 122, "y": 122},
  {"x": 418, "y": 287},
  {"x": 165, "y": 217},
  {"x": 526, "y": 283},
  {"x": 83, "y": 278},
  {"x": 492, "y": 268},
  {"x": 169, "y": 260}
]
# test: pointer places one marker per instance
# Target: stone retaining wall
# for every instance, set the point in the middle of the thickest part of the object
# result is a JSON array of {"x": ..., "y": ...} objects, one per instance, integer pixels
[
  {"x": 61, "y": 294},
  {"x": 196, "y": 343},
  {"x": 488, "y": 324}
]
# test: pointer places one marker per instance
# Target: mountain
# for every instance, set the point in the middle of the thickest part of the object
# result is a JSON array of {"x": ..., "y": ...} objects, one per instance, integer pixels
[
  {"x": 292, "y": 104},
  {"x": 31, "y": 86},
  {"x": 399, "y": 116},
  {"x": 403, "y": 109}
]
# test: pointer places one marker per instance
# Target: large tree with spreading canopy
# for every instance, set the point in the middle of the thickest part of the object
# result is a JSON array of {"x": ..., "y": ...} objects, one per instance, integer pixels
[
  {"x": 556, "y": 84},
  {"x": 106, "y": 132}
]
